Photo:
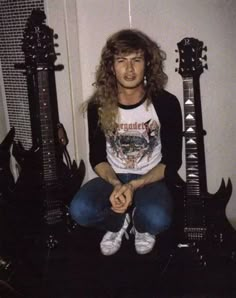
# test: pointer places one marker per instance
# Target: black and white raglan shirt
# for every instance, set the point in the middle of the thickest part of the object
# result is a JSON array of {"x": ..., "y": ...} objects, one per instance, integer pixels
[{"x": 146, "y": 136}]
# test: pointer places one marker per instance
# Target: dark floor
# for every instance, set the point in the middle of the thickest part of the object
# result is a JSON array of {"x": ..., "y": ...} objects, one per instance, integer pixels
[{"x": 75, "y": 268}]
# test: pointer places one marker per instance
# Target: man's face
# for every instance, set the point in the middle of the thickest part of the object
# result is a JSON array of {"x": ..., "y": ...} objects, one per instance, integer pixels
[{"x": 129, "y": 70}]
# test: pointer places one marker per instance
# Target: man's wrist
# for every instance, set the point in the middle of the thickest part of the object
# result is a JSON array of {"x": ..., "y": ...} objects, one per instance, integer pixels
[
  {"x": 115, "y": 182},
  {"x": 131, "y": 186},
  {"x": 137, "y": 183}
]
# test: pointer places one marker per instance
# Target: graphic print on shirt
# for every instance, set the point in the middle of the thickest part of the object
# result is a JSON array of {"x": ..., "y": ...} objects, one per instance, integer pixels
[{"x": 133, "y": 144}]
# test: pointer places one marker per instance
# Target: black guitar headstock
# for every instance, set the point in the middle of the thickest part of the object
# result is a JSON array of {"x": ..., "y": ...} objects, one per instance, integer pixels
[
  {"x": 190, "y": 57},
  {"x": 38, "y": 40}
]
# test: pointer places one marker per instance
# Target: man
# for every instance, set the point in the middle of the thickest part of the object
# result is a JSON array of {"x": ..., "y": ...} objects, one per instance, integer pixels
[{"x": 135, "y": 139}]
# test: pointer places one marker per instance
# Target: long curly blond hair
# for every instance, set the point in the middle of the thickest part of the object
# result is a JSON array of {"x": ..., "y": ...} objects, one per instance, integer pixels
[{"x": 106, "y": 93}]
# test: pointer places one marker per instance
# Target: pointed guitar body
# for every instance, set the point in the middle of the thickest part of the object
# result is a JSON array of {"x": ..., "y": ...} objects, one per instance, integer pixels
[
  {"x": 31, "y": 180},
  {"x": 221, "y": 233}
]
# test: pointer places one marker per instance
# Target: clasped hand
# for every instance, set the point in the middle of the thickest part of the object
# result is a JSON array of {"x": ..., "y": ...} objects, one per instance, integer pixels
[{"x": 121, "y": 197}]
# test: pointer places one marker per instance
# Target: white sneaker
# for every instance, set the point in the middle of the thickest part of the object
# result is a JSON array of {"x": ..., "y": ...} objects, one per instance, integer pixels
[
  {"x": 144, "y": 242},
  {"x": 111, "y": 241}
]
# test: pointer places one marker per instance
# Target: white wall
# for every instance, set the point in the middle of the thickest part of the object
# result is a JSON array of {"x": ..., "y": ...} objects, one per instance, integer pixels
[
  {"x": 212, "y": 21},
  {"x": 62, "y": 18}
]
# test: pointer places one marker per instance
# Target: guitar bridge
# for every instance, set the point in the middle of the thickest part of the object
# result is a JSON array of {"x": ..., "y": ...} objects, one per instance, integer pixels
[{"x": 195, "y": 234}]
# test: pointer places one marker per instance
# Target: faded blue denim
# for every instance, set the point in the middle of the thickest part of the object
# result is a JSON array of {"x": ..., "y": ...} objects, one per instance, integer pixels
[{"x": 153, "y": 206}]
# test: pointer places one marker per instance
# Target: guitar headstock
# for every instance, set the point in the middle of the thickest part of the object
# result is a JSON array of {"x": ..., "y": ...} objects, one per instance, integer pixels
[
  {"x": 190, "y": 57},
  {"x": 38, "y": 40}
]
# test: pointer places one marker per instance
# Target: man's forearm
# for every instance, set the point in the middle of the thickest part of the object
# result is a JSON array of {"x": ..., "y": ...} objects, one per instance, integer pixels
[
  {"x": 155, "y": 174},
  {"x": 105, "y": 171}
]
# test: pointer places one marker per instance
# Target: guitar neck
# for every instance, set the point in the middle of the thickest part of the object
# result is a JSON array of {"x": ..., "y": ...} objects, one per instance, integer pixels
[
  {"x": 49, "y": 161},
  {"x": 44, "y": 120},
  {"x": 194, "y": 134}
]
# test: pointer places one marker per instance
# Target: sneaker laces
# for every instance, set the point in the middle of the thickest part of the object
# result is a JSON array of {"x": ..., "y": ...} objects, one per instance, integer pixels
[
  {"x": 125, "y": 229},
  {"x": 126, "y": 235},
  {"x": 120, "y": 233},
  {"x": 116, "y": 235},
  {"x": 141, "y": 236},
  {"x": 146, "y": 237},
  {"x": 132, "y": 230}
]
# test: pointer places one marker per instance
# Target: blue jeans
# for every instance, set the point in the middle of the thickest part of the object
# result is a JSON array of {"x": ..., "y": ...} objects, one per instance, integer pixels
[{"x": 151, "y": 209}]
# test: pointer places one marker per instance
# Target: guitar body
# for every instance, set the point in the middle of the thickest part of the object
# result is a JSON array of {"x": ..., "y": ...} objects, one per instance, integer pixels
[
  {"x": 221, "y": 233},
  {"x": 202, "y": 225},
  {"x": 69, "y": 179}
]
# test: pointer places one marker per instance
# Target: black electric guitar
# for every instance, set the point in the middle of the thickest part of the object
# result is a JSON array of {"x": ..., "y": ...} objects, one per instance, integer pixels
[
  {"x": 206, "y": 229},
  {"x": 47, "y": 174}
]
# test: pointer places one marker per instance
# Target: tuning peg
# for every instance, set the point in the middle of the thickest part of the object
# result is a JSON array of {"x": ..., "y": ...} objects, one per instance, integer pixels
[
  {"x": 176, "y": 51},
  {"x": 204, "y": 58},
  {"x": 205, "y": 66},
  {"x": 205, "y": 49},
  {"x": 55, "y": 36},
  {"x": 59, "y": 67},
  {"x": 56, "y": 45},
  {"x": 176, "y": 60},
  {"x": 176, "y": 69}
]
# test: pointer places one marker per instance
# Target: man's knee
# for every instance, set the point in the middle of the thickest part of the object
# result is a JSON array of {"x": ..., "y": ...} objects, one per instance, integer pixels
[
  {"x": 160, "y": 222},
  {"x": 80, "y": 211},
  {"x": 152, "y": 220}
]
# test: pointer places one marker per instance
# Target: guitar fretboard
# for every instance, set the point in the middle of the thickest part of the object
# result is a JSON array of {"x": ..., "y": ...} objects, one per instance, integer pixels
[
  {"x": 191, "y": 145},
  {"x": 48, "y": 143}
]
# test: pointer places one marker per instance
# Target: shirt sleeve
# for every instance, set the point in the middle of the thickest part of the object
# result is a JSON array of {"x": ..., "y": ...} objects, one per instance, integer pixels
[
  {"x": 171, "y": 136},
  {"x": 97, "y": 139}
]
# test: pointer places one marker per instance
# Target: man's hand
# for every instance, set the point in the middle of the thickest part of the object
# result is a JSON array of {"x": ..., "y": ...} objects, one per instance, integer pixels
[{"x": 121, "y": 197}]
